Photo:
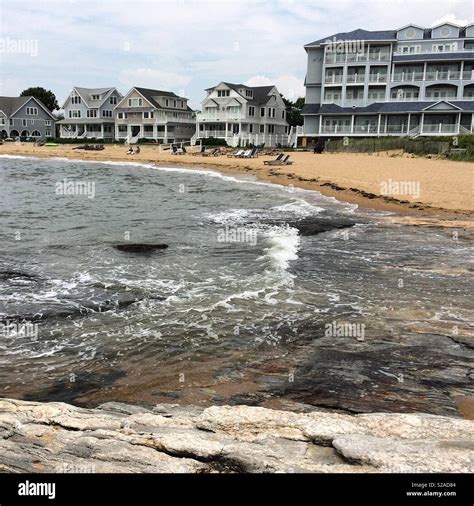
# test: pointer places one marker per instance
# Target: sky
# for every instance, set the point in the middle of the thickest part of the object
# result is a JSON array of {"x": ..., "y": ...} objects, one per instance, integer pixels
[{"x": 186, "y": 46}]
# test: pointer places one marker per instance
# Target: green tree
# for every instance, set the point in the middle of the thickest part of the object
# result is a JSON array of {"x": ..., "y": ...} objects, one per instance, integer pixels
[
  {"x": 46, "y": 96},
  {"x": 293, "y": 111}
]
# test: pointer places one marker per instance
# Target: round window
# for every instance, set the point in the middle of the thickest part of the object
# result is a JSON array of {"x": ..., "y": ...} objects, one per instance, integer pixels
[
  {"x": 410, "y": 33},
  {"x": 445, "y": 31}
]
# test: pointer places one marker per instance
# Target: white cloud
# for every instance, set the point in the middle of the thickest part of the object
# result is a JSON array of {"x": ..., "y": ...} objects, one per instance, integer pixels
[
  {"x": 290, "y": 86},
  {"x": 451, "y": 18}
]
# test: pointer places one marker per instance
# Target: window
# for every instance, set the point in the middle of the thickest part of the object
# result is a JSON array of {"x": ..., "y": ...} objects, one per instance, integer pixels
[
  {"x": 11, "y": 122},
  {"x": 283, "y": 114},
  {"x": 75, "y": 99},
  {"x": 95, "y": 97},
  {"x": 32, "y": 121},
  {"x": 444, "y": 48},
  {"x": 2, "y": 121},
  {"x": 106, "y": 113},
  {"x": 271, "y": 129},
  {"x": 174, "y": 104},
  {"x": 223, "y": 93},
  {"x": 36, "y": 134},
  {"x": 148, "y": 115},
  {"x": 250, "y": 128},
  {"x": 32, "y": 111},
  {"x": 48, "y": 133},
  {"x": 410, "y": 49},
  {"x": 272, "y": 112},
  {"x": 23, "y": 122},
  {"x": 113, "y": 100},
  {"x": 262, "y": 129},
  {"x": 91, "y": 113},
  {"x": 262, "y": 112},
  {"x": 251, "y": 110},
  {"x": 47, "y": 122},
  {"x": 249, "y": 93},
  {"x": 167, "y": 103},
  {"x": 75, "y": 113},
  {"x": 135, "y": 102}
]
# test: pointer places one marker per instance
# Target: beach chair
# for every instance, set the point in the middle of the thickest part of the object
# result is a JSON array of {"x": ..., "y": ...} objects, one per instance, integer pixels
[
  {"x": 246, "y": 154},
  {"x": 251, "y": 154},
  {"x": 174, "y": 150},
  {"x": 240, "y": 152},
  {"x": 214, "y": 152},
  {"x": 276, "y": 161},
  {"x": 200, "y": 152}
]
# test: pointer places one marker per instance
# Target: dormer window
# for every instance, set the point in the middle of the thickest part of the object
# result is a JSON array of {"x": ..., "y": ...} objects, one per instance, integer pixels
[
  {"x": 113, "y": 100},
  {"x": 95, "y": 97},
  {"x": 410, "y": 33},
  {"x": 249, "y": 93},
  {"x": 223, "y": 93}
]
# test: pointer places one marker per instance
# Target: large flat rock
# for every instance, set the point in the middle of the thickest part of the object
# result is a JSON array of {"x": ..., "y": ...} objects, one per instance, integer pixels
[{"x": 115, "y": 437}]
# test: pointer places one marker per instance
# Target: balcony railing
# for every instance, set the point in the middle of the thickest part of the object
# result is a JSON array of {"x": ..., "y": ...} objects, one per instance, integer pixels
[
  {"x": 220, "y": 116},
  {"x": 365, "y": 129},
  {"x": 336, "y": 129},
  {"x": 334, "y": 79},
  {"x": 355, "y": 78},
  {"x": 407, "y": 76},
  {"x": 430, "y": 51},
  {"x": 468, "y": 75},
  {"x": 430, "y": 96},
  {"x": 379, "y": 57},
  {"x": 440, "y": 128},
  {"x": 436, "y": 75},
  {"x": 377, "y": 78},
  {"x": 405, "y": 99},
  {"x": 354, "y": 102}
]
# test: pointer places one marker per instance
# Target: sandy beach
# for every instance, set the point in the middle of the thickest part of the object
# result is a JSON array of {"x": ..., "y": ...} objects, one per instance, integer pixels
[{"x": 445, "y": 187}]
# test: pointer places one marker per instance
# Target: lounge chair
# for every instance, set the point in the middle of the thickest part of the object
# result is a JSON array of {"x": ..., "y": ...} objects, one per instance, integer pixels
[
  {"x": 200, "y": 152},
  {"x": 240, "y": 152},
  {"x": 277, "y": 160},
  {"x": 285, "y": 161},
  {"x": 252, "y": 154},
  {"x": 246, "y": 154},
  {"x": 214, "y": 152}
]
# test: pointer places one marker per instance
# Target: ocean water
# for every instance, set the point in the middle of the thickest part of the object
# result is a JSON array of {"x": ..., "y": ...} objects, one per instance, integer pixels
[{"x": 244, "y": 306}]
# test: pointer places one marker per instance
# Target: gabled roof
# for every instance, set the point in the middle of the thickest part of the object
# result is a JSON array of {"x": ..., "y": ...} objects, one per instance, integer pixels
[
  {"x": 151, "y": 96},
  {"x": 451, "y": 105},
  {"x": 86, "y": 94},
  {"x": 446, "y": 23},
  {"x": 358, "y": 34},
  {"x": 411, "y": 25},
  {"x": 260, "y": 93},
  {"x": 10, "y": 105}
]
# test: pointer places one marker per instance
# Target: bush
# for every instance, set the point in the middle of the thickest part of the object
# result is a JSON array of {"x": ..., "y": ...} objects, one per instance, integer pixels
[{"x": 212, "y": 141}]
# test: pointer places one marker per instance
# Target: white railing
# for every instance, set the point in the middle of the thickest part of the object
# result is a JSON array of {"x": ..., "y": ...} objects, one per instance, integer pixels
[
  {"x": 429, "y": 96},
  {"x": 365, "y": 129},
  {"x": 435, "y": 75},
  {"x": 464, "y": 130},
  {"x": 415, "y": 131},
  {"x": 394, "y": 129},
  {"x": 354, "y": 102},
  {"x": 335, "y": 79},
  {"x": 407, "y": 76},
  {"x": 335, "y": 129},
  {"x": 430, "y": 51},
  {"x": 468, "y": 75},
  {"x": 377, "y": 78},
  {"x": 469, "y": 97},
  {"x": 405, "y": 99},
  {"x": 440, "y": 128},
  {"x": 222, "y": 116},
  {"x": 355, "y": 78},
  {"x": 382, "y": 57},
  {"x": 170, "y": 119}
]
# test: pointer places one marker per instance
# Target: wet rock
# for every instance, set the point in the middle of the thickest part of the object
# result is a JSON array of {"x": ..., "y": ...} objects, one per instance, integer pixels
[
  {"x": 7, "y": 275},
  {"x": 140, "y": 248},
  {"x": 116, "y": 437}
]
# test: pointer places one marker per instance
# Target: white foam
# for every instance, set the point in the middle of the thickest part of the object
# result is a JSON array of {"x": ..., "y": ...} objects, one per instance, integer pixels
[{"x": 283, "y": 246}]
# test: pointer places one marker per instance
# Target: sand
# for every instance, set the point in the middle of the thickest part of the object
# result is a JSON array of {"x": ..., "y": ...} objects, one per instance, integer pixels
[{"x": 445, "y": 187}]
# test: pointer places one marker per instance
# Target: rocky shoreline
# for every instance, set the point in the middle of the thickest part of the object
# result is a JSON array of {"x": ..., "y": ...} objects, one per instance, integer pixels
[{"x": 57, "y": 437}]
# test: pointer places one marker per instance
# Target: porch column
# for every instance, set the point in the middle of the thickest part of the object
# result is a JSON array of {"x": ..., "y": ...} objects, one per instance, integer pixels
[
  {"x": 352, "y": 124},
  {"x": 166, "y": 133},
  {"x": 102, "y": 130},
  {"x": 458, "y": 129},
  {"x": 76, "y": 130},
  {"x": 472, "y": 123},
  {"x": 116, "y": 129},
  {"x": 408, "y": 123},
  {"x": 386, "y": 123},
  {"x": 378, "y": 125},
  {"x": 422, "y": 124}
]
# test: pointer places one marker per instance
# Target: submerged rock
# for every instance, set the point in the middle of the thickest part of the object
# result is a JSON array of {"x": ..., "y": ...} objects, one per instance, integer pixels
[
  {"x": 57, "y": 437},
  {"x": 140, "y": 248}
]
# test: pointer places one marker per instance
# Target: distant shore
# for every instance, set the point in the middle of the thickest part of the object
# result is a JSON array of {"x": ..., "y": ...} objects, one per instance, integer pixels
[{"x": 445, "y": 187}]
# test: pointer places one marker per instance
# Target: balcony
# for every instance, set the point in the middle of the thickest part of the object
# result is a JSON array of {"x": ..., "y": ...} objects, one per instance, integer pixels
[
  {"x": 440, "y": 128},
  {"x": 334, "y": 79},
  {"x": 170, "y": 119},
  {"x": 335, "y": 58},
  {"x": 437, "y": 75},
  {"x": 379, "y": 57},
  {"x": 365, "y": 129},
  {"x": 405, "y": 77},
  {"x": 468, "y": 75},
  {"x": 220, "y": 116},
  {"x": 355, "y": 78},
  {"x": 377, "y": 78},
  {"x": 336, "y": 129}
]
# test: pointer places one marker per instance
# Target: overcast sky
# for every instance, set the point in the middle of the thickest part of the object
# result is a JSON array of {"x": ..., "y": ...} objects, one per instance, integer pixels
[{"x": 186, "y": 45}]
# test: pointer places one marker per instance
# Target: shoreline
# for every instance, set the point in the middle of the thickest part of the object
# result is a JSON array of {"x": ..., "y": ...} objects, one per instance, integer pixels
[{"x": 340, "y": 176}]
